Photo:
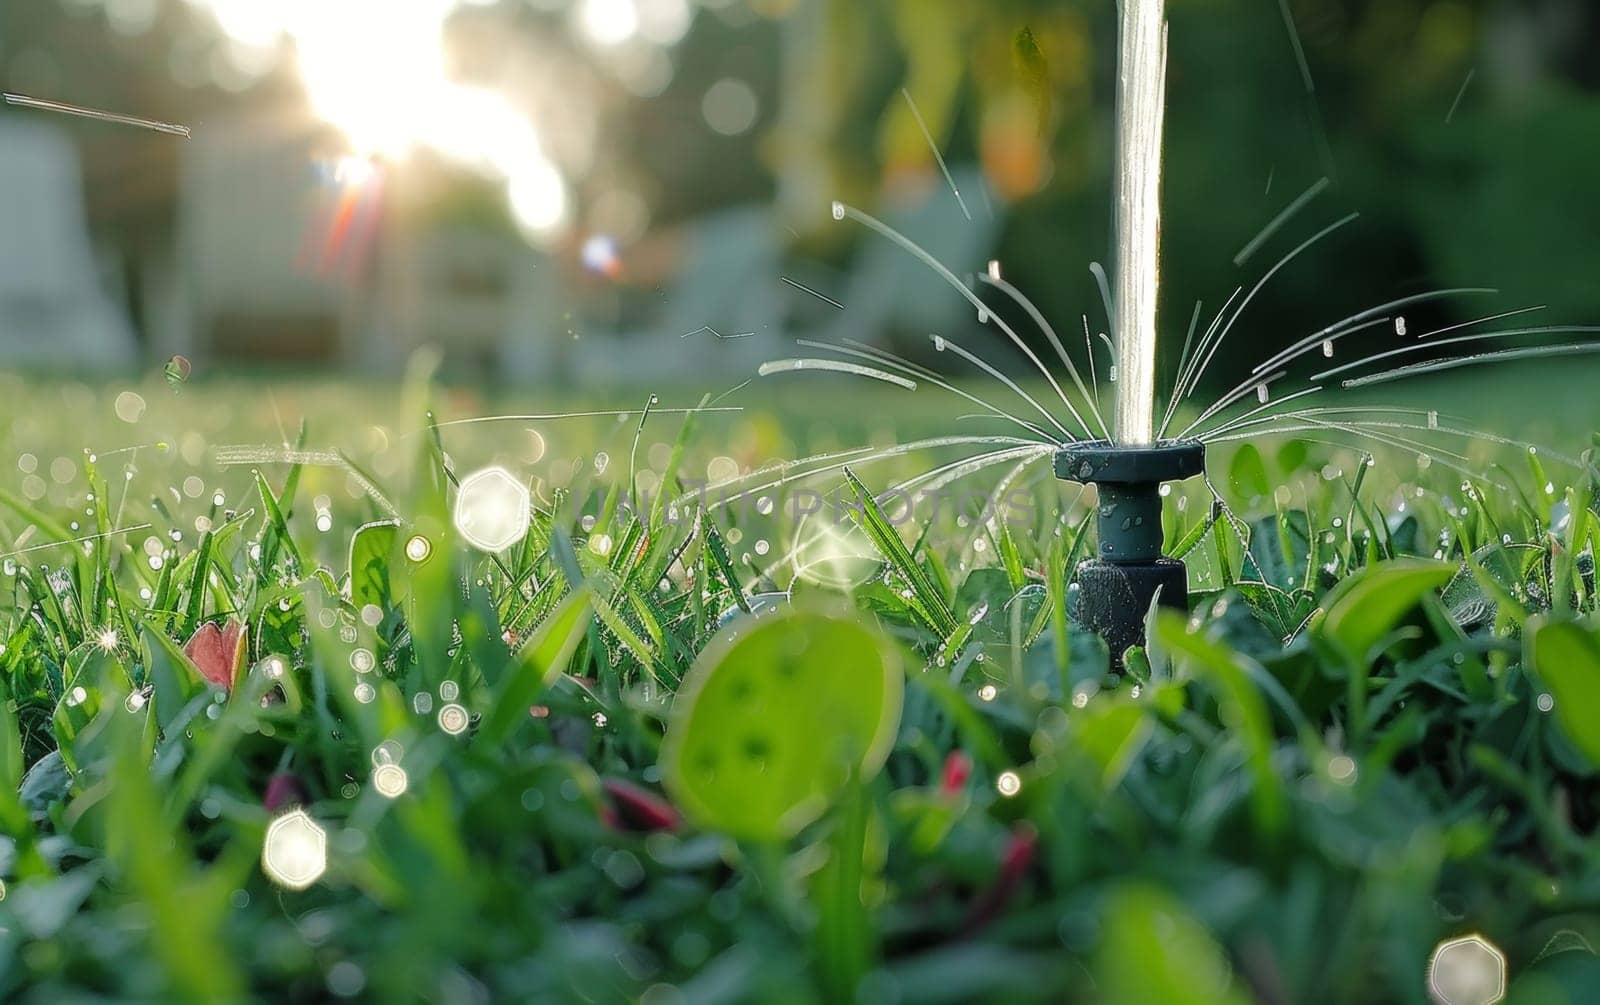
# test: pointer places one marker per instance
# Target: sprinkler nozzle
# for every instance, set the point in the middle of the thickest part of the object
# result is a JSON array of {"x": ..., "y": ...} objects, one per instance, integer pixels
[{"x": 1117, "y": 588}]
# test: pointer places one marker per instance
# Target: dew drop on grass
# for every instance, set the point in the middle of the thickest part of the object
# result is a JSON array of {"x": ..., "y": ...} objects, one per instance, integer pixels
[
  {"x": 1400, "y": 326},
  {"x": 422, "y": 703},
  {"x": 838, "y": 210},
  {"x": 453, "y": 719},
  {"x": 1261, "y": 393},
  {"x": 1546, "y": 702},
  {"x": 418, "y": 549},
  {"x": 938, "y": 343},
  {"x": 1327, "y": 348}
]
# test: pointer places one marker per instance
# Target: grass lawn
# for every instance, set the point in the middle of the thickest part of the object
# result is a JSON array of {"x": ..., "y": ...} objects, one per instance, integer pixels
[{"x": 275, "y": 721}]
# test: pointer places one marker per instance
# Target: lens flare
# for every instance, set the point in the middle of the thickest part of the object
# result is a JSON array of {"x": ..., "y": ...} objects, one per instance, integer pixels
[
  {"x": 492, "y": 509},
  {"x": 295, "y": 853},
  {"x": 1467, "y": 971}
]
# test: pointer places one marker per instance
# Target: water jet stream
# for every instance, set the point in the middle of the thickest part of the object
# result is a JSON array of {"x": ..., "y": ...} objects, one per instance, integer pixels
[{"x": 1141, "y": 111}]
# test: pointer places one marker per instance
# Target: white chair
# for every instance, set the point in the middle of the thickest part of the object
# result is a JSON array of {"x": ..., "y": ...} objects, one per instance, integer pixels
[
  {"x": 53, "y": 311},
  {"x": 889, "y": 290},
  {"x": 730, "y": 286},
  {"x": 250, "y": 280}
]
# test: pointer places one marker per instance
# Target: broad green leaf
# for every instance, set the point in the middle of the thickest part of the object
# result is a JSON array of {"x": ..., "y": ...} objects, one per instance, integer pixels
[
  {"x": 1282, "y": 613},
  {"x": 1235, "y": 683},
  {"x": 1279, "y": 547},
  {"x": 1109, "y": 734},
  {"x": 1367, "y": 606},
  {"x": 173, "y": 675},
  {"x": 372, "y": 551},
  {"x": 1248, "y": 473},
  {"x": 775, "y": 716},
  {"x": 1152, "y": 950},
  {"x": 1567, "y": 658}
]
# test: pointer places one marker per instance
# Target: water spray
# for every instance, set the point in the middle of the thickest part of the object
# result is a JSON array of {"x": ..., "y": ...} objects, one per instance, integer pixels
[{"x": 1129, "y": 574}]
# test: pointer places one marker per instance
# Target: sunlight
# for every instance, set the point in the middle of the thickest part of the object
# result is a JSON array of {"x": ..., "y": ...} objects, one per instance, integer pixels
[{"x": 392, "y": 99}]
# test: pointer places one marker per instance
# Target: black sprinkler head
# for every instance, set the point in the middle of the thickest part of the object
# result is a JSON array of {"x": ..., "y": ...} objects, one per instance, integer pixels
[{"x": 1117, "y": 588}]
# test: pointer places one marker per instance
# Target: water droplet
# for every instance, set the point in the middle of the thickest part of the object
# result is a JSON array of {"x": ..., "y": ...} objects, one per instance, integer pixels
[
  {"x": 938, "y": 343},
  {"x": 1399, "y": 326},
  {"x": 1261, "y": 393},
  {"x": 418, "y": 548},
  {"x": 1327, "y": 348},
  {"x": 453, "y": 719},
  {"x": 838, "y": 211}
]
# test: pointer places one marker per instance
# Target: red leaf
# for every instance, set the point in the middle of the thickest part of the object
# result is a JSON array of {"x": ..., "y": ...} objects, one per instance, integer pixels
[
  {"x": 1014, "y": 863},
  {"x": 218, "y": 651},
  {"x": 957, "y": 769},
  {"x": 638, "y": 808},
  {"x": 283, "y": 791}
]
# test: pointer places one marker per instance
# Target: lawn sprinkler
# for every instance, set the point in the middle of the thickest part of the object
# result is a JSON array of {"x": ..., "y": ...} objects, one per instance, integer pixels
[{"x": 1129, "y": 573}]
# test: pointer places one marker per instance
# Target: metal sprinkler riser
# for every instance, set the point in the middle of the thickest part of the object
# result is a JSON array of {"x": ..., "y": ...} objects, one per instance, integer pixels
[{"x": 1117, "y": 587}]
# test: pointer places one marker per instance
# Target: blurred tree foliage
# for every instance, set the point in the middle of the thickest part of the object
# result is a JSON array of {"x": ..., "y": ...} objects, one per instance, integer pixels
[{"x": 1464, "y": 131}]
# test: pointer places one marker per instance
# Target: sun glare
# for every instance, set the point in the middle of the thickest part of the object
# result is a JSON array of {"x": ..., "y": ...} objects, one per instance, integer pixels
[{"x": 376, "y": 71}]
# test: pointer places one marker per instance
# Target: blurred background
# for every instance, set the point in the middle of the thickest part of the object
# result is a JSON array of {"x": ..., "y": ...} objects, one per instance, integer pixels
[{"x": 586, "y": 192}]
